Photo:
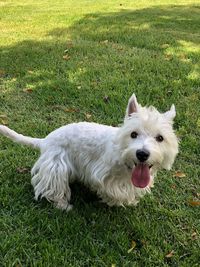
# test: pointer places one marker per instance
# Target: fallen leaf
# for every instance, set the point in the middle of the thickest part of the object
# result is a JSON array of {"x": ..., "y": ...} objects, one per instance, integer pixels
[
  {"x": 30, "y": 71},
  {"x": 194, "y": 235},
  {"x": 2, "y": 73},
  {"x": 106, "y": 99},
  {"x": 104, "y": 42},
  {"x": 133, "y": 245},
  {"x": 28, "y": 90},
  {"x": 169, "y": 92},
  {"x": 71, "y": 110},
  {"x": 23, "y": 170},
  {"x": 179, "y": 174},
  {"x": 194, "y": 203},
  {"x": 3, "y": 122},
  {"x": 196, "y": 194},
  {"x": 170, "y": 254},
  {"x": 88, "y": 116},
  {"x": 3, "y": 119},
  {"x": 66, "y": 57}
]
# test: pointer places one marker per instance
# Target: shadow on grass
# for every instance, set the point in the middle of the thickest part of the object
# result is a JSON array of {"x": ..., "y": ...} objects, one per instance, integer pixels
[
  {"x": 156, "y": 29},
  {"x": 149, "y": 28}
]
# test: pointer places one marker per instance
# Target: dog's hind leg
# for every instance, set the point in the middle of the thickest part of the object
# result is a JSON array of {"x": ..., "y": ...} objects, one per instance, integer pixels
[{"x": 50, "y": 177}]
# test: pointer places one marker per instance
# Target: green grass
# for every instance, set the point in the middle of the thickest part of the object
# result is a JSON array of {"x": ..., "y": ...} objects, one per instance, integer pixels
[{"x": 115, "y": 48}]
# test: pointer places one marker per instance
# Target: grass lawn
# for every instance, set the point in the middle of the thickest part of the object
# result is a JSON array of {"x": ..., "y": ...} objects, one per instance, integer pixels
[{"x": 65, "y": 61}]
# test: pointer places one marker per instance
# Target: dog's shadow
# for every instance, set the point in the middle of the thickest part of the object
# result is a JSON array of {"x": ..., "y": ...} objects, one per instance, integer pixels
[
  {"x": 81, "y": 198},
  {"x": 82, "y": 195}
]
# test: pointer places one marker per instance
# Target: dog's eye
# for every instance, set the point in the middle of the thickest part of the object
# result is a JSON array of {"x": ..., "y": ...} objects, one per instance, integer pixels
[
  {"x": 159, "y": 138},
  {"x": 134, "y": 135}
]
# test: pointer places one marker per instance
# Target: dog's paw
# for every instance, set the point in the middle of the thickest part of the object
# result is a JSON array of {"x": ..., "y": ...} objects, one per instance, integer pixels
[
  {"x": 62, "y": 205},
  {"x": 70, "y": 207}
]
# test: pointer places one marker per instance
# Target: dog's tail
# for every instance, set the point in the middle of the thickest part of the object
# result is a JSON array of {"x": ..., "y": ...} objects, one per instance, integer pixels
[{"x": 19, "y": 138}]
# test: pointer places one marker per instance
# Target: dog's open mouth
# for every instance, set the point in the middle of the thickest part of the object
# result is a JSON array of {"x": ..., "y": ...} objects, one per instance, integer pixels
[{"x": 141, "y": 175}]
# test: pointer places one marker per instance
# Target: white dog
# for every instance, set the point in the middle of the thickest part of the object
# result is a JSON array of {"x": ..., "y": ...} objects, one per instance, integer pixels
[{"x": 119, "y": 164}]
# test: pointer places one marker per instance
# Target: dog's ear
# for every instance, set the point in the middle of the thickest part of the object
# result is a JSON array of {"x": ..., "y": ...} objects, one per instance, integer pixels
[
  {"x": 170, "y": 114},
  {"x": 132, "y": 106}
]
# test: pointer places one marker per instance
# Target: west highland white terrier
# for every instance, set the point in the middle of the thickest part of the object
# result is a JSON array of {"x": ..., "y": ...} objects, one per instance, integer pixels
[{"x": 118, "y": 163}]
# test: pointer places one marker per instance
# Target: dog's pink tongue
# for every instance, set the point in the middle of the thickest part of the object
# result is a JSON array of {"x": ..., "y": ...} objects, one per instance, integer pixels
[{"x": 141, "y": 175}]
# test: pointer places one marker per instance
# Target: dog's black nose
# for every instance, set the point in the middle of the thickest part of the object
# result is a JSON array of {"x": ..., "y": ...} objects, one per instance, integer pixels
[{"x": 142, "y": 155}]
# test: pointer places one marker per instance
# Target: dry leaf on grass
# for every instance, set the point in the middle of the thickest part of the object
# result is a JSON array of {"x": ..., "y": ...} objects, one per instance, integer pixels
[
  {"x": 88, "y": 116},
  {"x": 3, "y": 119},
  {"x": 66, "y": 57},
  {"x": 30, "y": 71},
  {"x": 4, "y": 122},
  {"x": 28, "y": 90},
  {"x": 179, "y": 174},
  {"x": 133, "y": 245},
  {"x": 2, "y": 73},
  {"x": 106, "y": 98},
  {"x": 195, "y": 194},
  {"x": 170, "y": 254},
  {"x": 194, "y": 203},
  {"x": 71, "y": 110},
  {"x": 104, "y": 42},
  {"x": 23, "y": 169},
  {"x": 194, "y": 235}
]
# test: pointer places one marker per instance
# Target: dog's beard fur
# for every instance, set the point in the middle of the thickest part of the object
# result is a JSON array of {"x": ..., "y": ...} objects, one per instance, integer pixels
[{"x": 102, "y": 157}]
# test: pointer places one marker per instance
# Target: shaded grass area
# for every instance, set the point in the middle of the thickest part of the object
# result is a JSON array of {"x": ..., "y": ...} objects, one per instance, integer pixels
[{"x": 112, "y": 50}]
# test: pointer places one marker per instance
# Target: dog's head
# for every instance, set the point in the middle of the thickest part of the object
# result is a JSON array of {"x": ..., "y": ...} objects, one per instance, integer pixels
[{"x": 147, "y": 141}]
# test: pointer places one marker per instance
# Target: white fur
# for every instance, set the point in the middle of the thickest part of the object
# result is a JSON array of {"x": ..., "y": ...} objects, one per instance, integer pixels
[{"x": 101, "y": 156}]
